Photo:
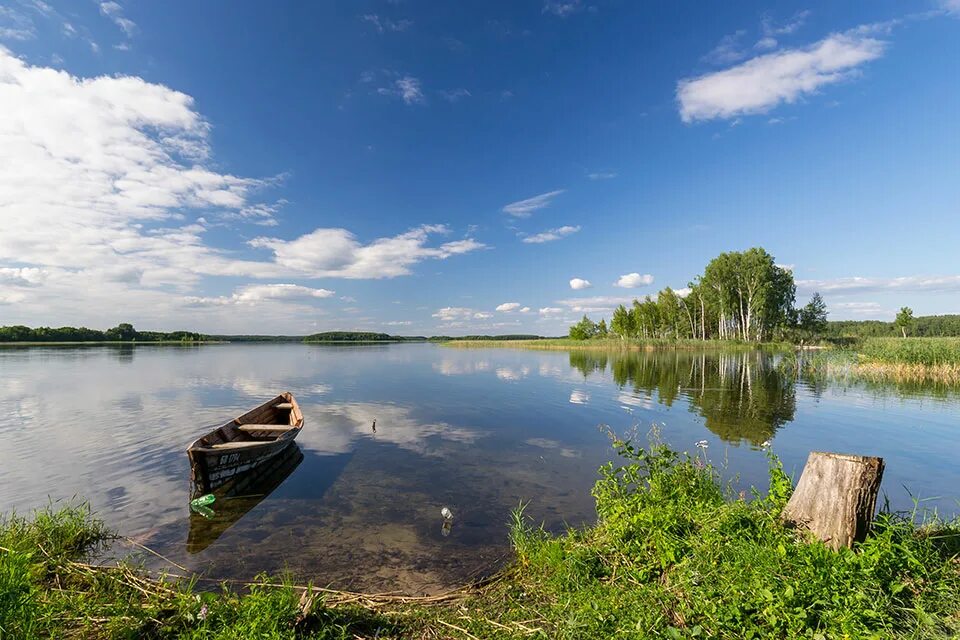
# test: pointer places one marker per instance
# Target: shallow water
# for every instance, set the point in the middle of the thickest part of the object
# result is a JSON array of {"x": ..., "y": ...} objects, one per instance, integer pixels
[{"x": 476, "y": 430}]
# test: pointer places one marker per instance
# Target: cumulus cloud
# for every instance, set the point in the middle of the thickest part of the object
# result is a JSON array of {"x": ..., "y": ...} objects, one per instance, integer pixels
[
  {"x": 507, "y": 307},
  {"x": 580, "y": 283},
  {"x": 525, "y": 208},
  {"x": 450, "y": 314},
  {"x": 257, "y": 293},
  {"x": 764, "y": 82},
  {"x": 551, "y": 234},
  {"x": 106, "y": 190},
  {"x": 633, "y": 280},
  {"x": 550, "y": 311},
  {"x": 337, "y": 252}
]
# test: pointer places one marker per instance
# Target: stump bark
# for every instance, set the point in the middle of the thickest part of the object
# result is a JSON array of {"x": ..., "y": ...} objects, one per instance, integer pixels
[{"x": 836, "y": 497}]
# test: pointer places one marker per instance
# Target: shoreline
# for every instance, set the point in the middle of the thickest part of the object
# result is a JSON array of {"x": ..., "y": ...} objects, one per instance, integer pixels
[
  {"x": 676, "y": 555},
  {"x": 567, "y": 344}
]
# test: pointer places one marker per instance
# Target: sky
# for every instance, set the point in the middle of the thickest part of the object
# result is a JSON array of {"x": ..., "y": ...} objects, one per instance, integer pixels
[{"x": 426, "y": 168}]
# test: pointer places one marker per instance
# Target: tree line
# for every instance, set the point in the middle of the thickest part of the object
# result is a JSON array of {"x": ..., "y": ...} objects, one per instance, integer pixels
[
  {"x": 742, "y": 296},
  {"x": 123, "y": 332},
  {"x": 905, "y": 324}
]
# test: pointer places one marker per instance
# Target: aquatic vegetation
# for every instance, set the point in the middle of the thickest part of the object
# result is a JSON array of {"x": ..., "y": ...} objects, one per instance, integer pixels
[
  {"x": 902, "y": 361},
  {"x": 674, "y": 553}
]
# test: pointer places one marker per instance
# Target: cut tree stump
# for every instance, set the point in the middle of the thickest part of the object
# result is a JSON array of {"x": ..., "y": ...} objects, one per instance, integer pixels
[{"x": 836, "y": 497}]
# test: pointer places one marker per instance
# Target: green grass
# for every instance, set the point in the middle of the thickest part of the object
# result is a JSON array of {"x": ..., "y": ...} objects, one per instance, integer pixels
[
  {"x": 612, "y": 344},
  {"x": 48, "y": 591},
  {"x": 915, "y": 351},
  {"x": 674, "y": 554}
]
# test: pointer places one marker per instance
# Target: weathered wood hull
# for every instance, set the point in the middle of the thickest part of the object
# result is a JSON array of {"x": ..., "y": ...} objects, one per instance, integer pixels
[
  {"x": 244, "y": 443},
  {"x": 237, "y": 496}
]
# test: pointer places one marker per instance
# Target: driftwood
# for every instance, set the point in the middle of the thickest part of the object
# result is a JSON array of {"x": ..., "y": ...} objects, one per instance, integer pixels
[{"x": 836, "y": 497}]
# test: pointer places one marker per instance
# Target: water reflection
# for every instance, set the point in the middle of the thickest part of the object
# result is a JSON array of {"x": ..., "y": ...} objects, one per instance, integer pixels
[
  {"x": 477, "y": 430},
  {"x": 236, "y": 498},
  {"x": 741, "y": 396}
]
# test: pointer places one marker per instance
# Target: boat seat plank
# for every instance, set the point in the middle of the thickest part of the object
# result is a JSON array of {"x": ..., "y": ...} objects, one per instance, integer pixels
[
  {"x": 235, "y": 445},
  {"x": 265, "y": 427},
  {"x": 283, "y": 405}
]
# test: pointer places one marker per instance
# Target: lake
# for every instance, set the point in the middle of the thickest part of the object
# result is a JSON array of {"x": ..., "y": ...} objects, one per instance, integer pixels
[{"x": 475, "y": 430}]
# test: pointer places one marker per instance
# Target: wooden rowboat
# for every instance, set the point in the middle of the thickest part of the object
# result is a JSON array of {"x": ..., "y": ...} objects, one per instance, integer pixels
[
  {"x": 244, "y": 443},
  {"x": 238, "y": 496}
]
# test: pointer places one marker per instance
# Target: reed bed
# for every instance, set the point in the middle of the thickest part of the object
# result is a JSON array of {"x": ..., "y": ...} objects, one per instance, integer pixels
[{"x": 611, "y": 344}]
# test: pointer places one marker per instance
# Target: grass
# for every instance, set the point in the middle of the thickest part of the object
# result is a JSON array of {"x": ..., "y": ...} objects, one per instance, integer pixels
[
  {"x": 932, "y": 352},
  {"x": 611, "y": 344},
  {"x": 674, "y": 554},
  {"x": 897, "y": 360}
]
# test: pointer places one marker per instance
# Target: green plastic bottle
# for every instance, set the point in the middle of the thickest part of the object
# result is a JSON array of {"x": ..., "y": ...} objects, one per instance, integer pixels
[{"x": 203, "y": 501}]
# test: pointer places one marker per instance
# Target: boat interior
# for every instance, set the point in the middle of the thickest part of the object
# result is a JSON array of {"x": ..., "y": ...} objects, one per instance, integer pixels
[{"x": 268, "y": 422}]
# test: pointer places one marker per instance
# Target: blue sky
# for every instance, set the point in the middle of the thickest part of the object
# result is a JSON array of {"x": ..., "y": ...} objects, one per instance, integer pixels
[{"x": 413, "y": 166}]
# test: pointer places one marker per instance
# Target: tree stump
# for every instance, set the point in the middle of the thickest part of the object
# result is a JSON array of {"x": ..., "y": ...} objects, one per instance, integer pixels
[{"x": 836, "y": 497}]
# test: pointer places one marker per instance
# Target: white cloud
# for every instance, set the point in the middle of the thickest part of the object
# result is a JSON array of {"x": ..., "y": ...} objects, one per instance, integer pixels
[
  {"x": 683, "y": 292},
  {"x": 450, "y": 314},
  {"x": 525, "y": 208},
  {"x": 951, "y": 6},
  {"x": 398, "y": 323},
  {"x": 580, "y": 283},
  {"x": 857, "y": 284},
  {"x": 766, "y": 43},
  {"x": 454, "y": 95},
  {"x": 861, "y": 308},
  {"x": 407, "y": 89},
  {"x": 760, "y": 84},
  {"x": 482, "y": 315},
  {"x": 633, "y": 280},
  {"x": 382, "y": 24},
  {"x": 525, "y": 310},
  {"x": 256, "y": 293},
  {"x": 114, "y": 11},
  {"x": 602, "y": 175},
  {"x": 550, "y": 311},
  {"x": 337, "y": 252},
  {"x": 594, "y": 304},
  {"x": 727, "y": 50},
  {"x": 15, "y": 25},
  {"x": 106, "y": 189},
  {"x": 507, "y": 307},
  {"x": 793, "y": 24},
  {"x": 551, "y": 234},
  {"x": 562, "y": 8}
]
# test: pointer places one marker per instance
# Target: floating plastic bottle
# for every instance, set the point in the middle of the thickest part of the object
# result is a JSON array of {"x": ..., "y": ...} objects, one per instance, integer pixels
[
  {"x": 206, "y": 512},
  {"x": 203, "y": 501}
]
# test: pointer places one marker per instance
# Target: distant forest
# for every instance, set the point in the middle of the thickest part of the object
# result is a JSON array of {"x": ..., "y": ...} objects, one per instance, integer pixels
[
  {"x": 123, "y": 332},
  {"x": 360, "y": 336},
  {"x": 922, "y": 327}
]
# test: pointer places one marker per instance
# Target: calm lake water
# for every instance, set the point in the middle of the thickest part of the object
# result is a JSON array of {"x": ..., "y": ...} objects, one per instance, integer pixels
[{"x": 476, "y": 430}]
